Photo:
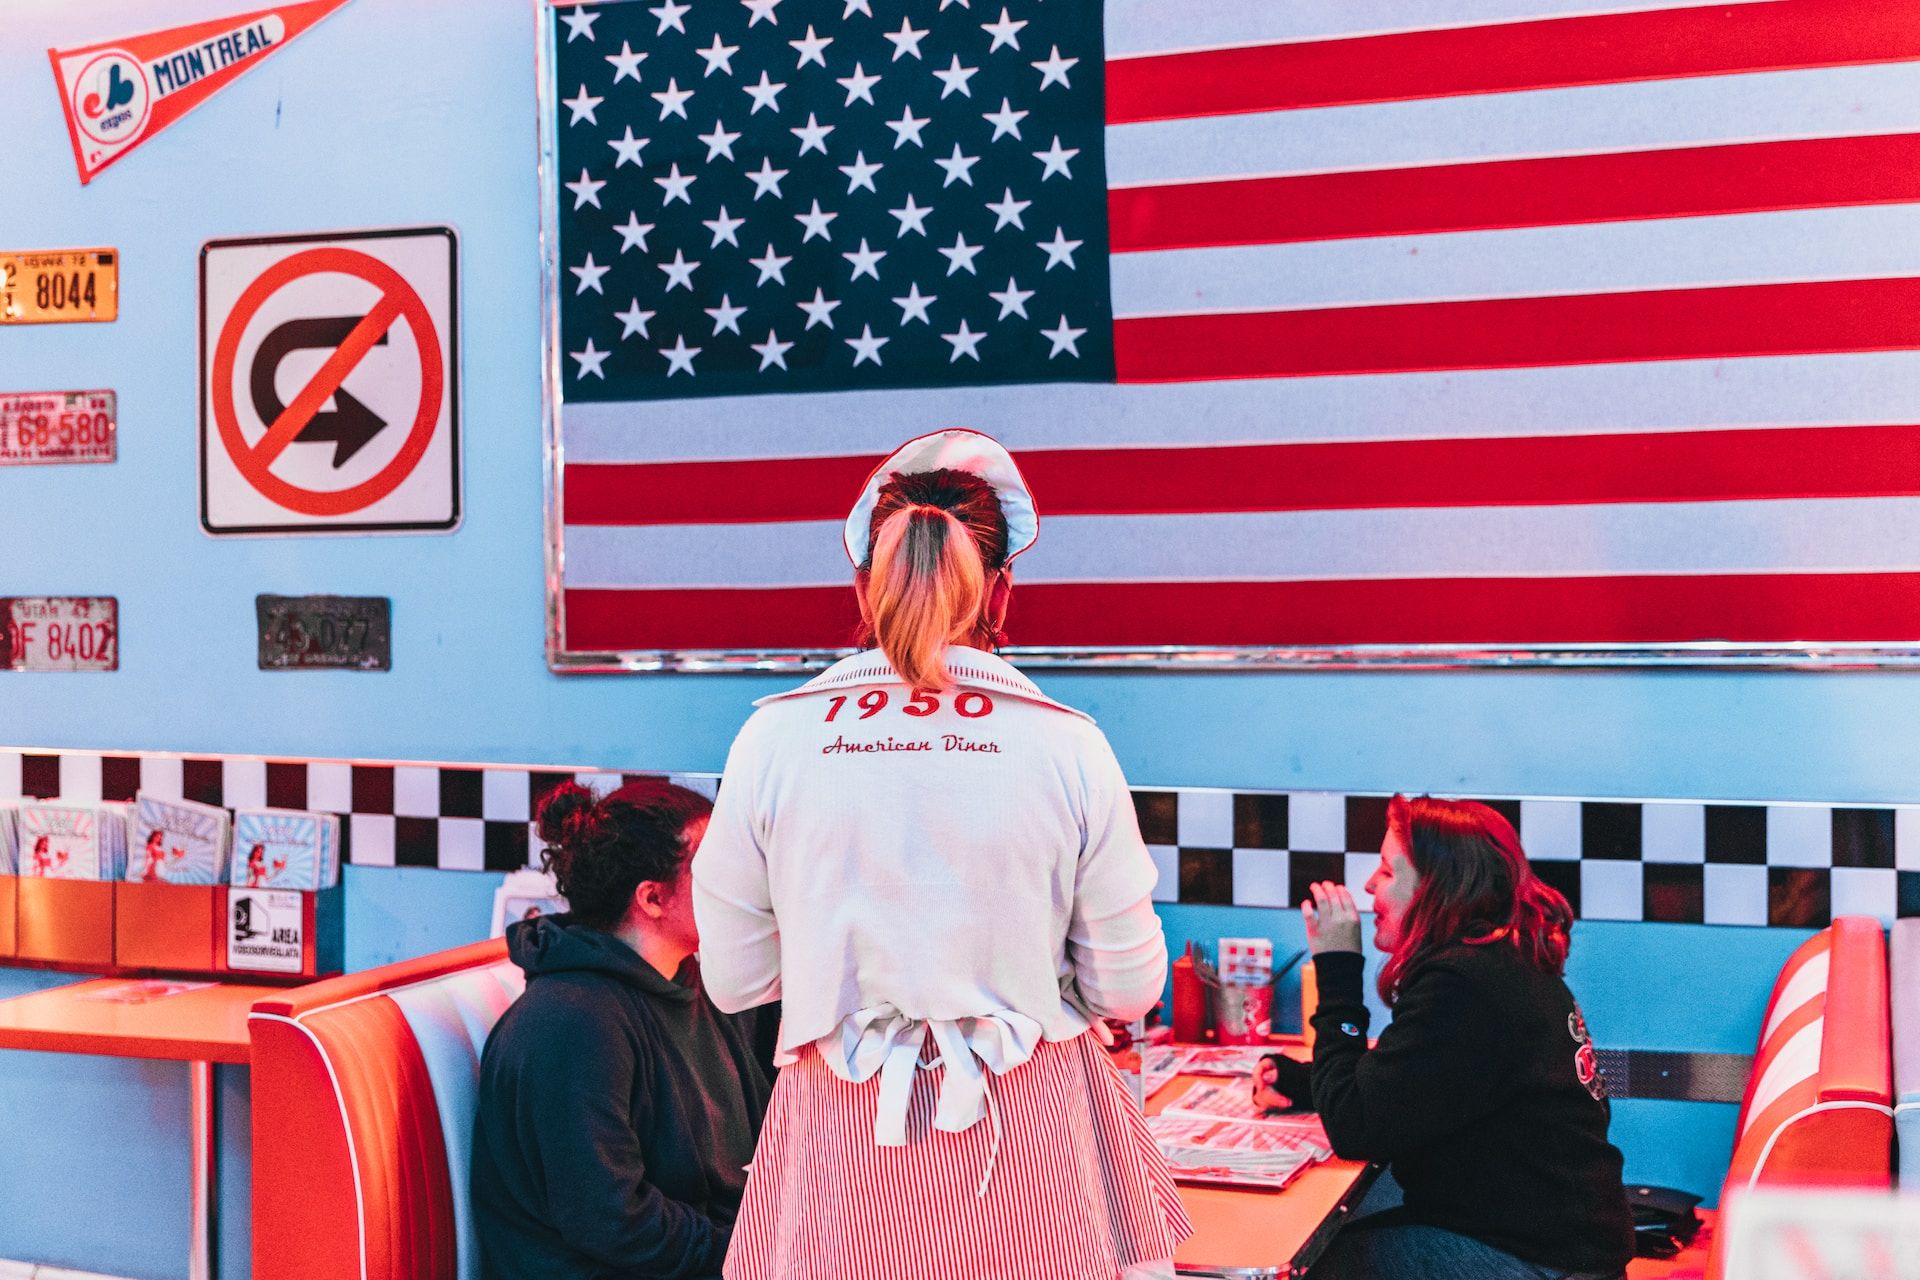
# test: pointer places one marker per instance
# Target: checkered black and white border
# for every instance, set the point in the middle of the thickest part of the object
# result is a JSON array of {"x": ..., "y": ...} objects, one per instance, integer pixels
[
  {"x": 450, "y": 817},
  {"x": 1750, "y": 863},
  {"x": 1790, "y": 864}
]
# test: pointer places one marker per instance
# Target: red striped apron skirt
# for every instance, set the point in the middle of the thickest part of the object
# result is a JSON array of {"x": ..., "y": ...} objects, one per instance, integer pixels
[{"x": 1078, "y": 1191}]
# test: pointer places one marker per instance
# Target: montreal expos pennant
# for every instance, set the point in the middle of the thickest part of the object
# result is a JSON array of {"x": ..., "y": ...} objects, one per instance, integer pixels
[{"x": 119, "y": 93}]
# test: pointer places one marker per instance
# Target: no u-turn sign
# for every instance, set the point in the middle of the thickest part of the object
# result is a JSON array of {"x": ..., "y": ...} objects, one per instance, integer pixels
[{"x": 329, "y": 383}]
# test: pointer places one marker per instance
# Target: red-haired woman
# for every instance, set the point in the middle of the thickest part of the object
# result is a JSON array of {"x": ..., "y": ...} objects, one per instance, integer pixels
[
  {"x": 1482, "y": 1091},
  {"x": 937, "y": 868}
]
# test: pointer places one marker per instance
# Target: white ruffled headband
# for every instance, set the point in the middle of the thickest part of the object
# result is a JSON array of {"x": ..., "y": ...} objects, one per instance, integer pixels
[{"x": 956, "y": 449}]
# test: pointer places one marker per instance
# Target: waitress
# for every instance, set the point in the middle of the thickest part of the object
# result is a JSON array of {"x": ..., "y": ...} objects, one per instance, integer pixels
[{"x": 938, "y": 869}]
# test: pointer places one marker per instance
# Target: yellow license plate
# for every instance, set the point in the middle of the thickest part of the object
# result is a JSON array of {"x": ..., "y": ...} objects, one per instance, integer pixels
[{"x": 52, "y": 286}]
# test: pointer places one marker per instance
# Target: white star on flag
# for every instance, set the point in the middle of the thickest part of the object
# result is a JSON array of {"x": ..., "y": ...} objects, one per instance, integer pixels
[
  {"x": 679, "y": 272},
  {"x": 723, "y": 228},
  {"x": 726, "y": 315},
  {"x": 1060, "y": 249},
  {"x": 1053, "y": 69},
  {"x": 965, "y": 342},
  {"x": 913, "y": 217},
  {"x": 1004, "y": 121},
  {"x": 1008, "y": 210},
  {"x": 582, "y": 105},
  {"x": 961, "y": 256},
  {"x": 766, "y": 180},
  {"x": 866, "y": 346},
  {"x": 719, "y": 57},
  {"x": 812, "y": 135},
  {"x": 856, "y": 6},
  {"x": 907, "y": 128},
  {"x": 626, "y": 63},
  {"x": 579, "y": 22},
  {"x": 633, "y": 320},
  {"x": 672, "y": 100},
  {"x": 905, "y": 41},
  {"x": 1055, "y": 159},
  {"x": 586, "y": 190},
  {"x": 719, "y": 142},
  {"x": 627, "y": 149},
  {"x": 859, "y": 86},
  {"x": 914, "y": 305},
  {"x": 811, "y": 49},
  {"x": 865, "y": 261},
  {"x": 765, "y": 94},
  {"x": 1006, "y": 31},
  {"x": 1063, "y": 339},
  {"x": 820, "y": 310},
  {"x": 634, "y": 234},
  {"x": 860, "y": 173},
  {"x": 675, "y": 185},
  {"x": 670, "y": 15},
  {"x": 959, "y": 168},
  {"x": 815, "y": 222},
  {"x": 1012, "y": 300},
  {"x": 772, "y": 267},
  {"x": 772, "y": 351},
  {"x": 954, "y": 78},
  {"x": 589, "y": 277},
  {"x": 590, "y": 361},
  {"x": 680, "y": 356},
  {"x": 762, "y": 10}
]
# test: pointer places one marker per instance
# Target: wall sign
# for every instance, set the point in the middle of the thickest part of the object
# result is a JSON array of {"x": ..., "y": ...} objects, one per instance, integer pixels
[
  {"x": 59, "y": 286},
  {"x": 352, "y": 633},
  {"x": 60, "y": 633},
  {"x": 57, "y": 426},
  {"x": 329, "y": 383},
  {"x": 119, "y": 93},
  {"x": 265, "y": 930}
]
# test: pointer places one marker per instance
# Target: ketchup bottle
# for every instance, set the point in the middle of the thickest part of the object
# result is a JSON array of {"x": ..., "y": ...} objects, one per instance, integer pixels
[{"x": 1189, "y": 1001}]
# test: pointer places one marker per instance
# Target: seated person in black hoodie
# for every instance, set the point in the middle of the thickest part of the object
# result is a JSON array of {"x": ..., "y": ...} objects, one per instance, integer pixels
[
  {"x": 618, "y": 1108},
  {"x": 1483, "y": 1092}
]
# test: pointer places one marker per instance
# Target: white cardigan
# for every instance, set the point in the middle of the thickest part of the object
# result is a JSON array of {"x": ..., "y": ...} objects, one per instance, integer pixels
[{"x": 892, "y": 864}]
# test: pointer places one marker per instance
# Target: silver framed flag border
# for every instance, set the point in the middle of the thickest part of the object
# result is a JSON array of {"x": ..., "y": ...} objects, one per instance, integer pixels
[{"x": 563, "y": 657}]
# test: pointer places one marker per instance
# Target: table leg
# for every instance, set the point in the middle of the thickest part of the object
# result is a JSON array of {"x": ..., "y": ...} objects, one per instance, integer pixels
[{"x": 202, "y": 1258}]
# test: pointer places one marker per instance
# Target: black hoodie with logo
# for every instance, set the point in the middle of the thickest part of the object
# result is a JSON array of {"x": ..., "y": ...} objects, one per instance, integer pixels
[
  {"x": 1485, "y": 1096},
  {"x": 617, "y": 1113}
]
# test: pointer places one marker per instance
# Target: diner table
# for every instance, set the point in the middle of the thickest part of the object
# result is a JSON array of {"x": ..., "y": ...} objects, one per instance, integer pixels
[
  {"x": 1264, "y": 1235},
  {"x": 196, "y": 1022}
]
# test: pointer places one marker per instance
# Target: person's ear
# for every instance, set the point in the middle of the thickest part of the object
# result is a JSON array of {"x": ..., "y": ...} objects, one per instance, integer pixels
[
  {"x": 999, "y": 598},
  {"x": 861, "y": 580},
  {"x": 650, "y": 900}
]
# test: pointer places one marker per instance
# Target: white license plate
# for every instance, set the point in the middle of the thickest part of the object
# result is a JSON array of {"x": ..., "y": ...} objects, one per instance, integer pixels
[
  {"x": 63, "y": 633},
  {"x": 57, "y": 426}
]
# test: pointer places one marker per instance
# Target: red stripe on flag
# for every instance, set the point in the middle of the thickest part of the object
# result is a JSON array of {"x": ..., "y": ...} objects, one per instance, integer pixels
[
  {"x": 1668, "y": 324},
  {"x": 1503, "y": 57},
  {"x": 1661, "y": 466},
  {"x": 1747, "y": 609},
  {"x": 1683, "y": 182}
]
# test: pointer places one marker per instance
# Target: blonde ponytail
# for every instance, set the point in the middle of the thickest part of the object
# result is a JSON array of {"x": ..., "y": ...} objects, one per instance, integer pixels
[{"x": 927, "y": 588}]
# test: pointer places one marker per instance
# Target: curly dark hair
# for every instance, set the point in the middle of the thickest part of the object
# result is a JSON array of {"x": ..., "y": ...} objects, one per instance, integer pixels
[{"x": 600, "y": 849}]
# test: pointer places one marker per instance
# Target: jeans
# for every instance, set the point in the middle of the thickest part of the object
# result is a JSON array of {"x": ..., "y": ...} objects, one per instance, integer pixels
[{"x": 1383, "y": 1249}]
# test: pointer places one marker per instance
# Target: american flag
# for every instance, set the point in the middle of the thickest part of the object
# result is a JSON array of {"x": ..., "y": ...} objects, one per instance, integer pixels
[{"x": 1327, "y": 323}]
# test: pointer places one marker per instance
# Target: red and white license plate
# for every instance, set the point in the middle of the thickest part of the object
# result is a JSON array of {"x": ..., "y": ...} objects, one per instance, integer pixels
[
  {"x": 57, "y": 426},
  {"x": 61, "y": 633}
]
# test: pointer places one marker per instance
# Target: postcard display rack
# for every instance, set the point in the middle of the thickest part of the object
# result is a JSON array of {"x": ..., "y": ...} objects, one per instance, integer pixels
[{"x": 169, "y": 886}]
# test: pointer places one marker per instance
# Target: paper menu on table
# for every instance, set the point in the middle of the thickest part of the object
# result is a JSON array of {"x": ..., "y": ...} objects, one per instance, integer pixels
[
  {"x": 1233, "y": 1100},
  {"x": 1209, "y": 1060},
  {"x": 1232, "y": 1153}
]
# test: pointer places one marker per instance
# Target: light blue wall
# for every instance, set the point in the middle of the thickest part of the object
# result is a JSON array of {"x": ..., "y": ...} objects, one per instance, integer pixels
[{"x": 421, "y": 111}]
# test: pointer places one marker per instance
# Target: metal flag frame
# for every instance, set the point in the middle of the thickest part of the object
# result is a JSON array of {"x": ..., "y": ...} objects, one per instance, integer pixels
[{"x": 1696, "y": 655}]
